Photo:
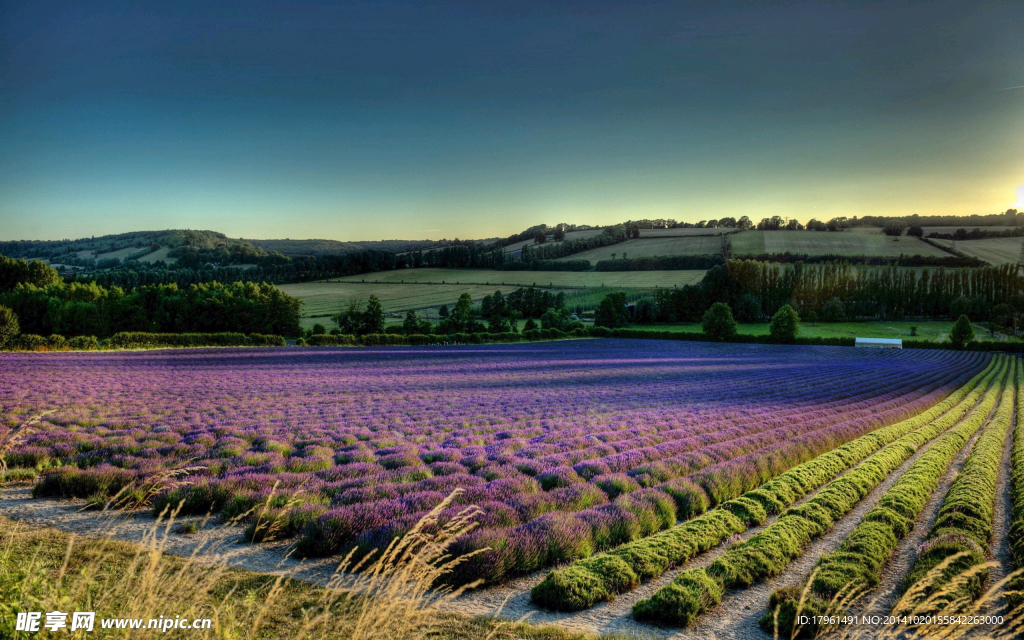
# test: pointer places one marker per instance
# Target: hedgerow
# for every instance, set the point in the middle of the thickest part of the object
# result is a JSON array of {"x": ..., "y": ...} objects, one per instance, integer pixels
[
  {"x": 141, "y": 340},
  {"x": 596, "y": 579},
  {"x": 840, "y": 577},
  {"x": 770, "y": 551}
]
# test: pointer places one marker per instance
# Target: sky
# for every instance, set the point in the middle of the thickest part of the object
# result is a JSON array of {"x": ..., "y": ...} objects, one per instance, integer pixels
[{"x": 379, "y": 120}]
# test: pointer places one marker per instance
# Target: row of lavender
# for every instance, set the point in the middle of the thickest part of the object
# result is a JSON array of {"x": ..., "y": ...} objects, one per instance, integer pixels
[{"x": 568, "y": 447}]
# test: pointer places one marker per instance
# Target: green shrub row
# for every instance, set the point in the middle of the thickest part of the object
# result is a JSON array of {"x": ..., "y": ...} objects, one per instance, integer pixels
[
  {"x": 141, "y": 340},
  {"x": 396, "y": 339},
  {"x": 770, "y": 551},
  {"x": 843, "y": 575},
  {"x": 964, "y": 523},
  {"x": 603, "y": 576},
  {"x": 55, "y": 342},
  {"x": 1015, "y": 588},
  {"x": 327, "y": 340}
]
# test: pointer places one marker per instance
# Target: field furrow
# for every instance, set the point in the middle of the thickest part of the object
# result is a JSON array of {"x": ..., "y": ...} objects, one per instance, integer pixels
[
  {"x": 962, "y": 533},
  {"x": 841, "y": 579},
  {"x": 600, "y": 578},
  {"x": 768, "y": 553}
]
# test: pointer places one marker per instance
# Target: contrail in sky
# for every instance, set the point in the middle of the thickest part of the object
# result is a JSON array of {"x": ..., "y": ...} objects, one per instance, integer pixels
[{"x": 1011, "y": 88}]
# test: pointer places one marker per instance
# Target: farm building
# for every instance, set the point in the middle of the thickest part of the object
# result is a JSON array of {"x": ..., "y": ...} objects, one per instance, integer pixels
[{"x": 879, "y": 343}]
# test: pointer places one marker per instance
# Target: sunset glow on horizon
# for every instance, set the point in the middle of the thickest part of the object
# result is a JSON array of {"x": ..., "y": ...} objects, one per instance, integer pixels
[{"x": 412, "y": 120}]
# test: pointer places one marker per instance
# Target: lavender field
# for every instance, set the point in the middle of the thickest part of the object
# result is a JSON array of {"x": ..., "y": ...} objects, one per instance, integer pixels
[{"x": 568, "y": 448}]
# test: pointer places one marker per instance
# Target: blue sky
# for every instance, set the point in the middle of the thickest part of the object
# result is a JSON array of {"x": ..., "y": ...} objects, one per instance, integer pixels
[{"x": 370, "y": 120}]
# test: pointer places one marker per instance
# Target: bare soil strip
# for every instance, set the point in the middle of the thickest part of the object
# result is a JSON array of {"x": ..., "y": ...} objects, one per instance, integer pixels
[
  {"x": 999, "y": 550},
  {"x": 740, "y": 612},
  {"x": 214, "y": 542},
  {"x": 888, "y": 590}
]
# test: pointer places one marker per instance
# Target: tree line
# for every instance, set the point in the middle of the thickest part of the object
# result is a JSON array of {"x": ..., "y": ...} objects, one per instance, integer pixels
[
  {"x": 756, "y": 290},
  {"x": 42, "y": 303}
]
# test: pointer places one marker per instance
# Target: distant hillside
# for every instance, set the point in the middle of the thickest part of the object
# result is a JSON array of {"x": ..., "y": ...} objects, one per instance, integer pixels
[
  {"x": 171, "y": 238},
  {"x": 328, "y": 247},
  {"x": 150, "y": 246}
]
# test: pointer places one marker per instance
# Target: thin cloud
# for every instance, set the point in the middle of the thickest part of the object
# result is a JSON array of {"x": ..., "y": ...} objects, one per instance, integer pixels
[{"x": 1011, "y": 88}]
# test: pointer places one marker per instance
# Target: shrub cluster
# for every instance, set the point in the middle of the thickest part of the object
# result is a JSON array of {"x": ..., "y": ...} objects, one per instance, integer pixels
[
  {"x": 546, "y": 265},
  {"x": 141, "y": 340},
  {"x": 839, "y": 577},
  {"x": 771, "y": 550},
  {"x": 327, "y": 340},
  {"x": 603, "y": 576},
  {"x": 660, "y": 263}
]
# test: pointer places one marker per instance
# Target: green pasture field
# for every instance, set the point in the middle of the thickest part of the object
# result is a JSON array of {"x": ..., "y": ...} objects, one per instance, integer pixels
[
  {"x": 690, "y": 245},
  {"x": 547, "y": 279},
  {"x": 427, "y": 289},
  {"x": 686, "y": 232},
  {"x": 995, "y": 251},
  {"x": 844, "y": 243},
  {"x": 968, "y": 227},
  {"x": 323, "y": 299},
  {"x": 934, "y": 330},
  {"x": 569, "y": 235}
]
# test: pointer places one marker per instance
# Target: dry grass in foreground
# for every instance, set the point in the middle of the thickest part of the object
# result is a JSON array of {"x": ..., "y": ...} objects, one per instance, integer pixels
[
  {"x": 388, "y": 599},
  {"x": 937, "y": 601}
]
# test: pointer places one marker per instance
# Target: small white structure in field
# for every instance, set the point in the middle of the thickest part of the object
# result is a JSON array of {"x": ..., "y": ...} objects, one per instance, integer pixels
[{"x": 879, "y": 343}]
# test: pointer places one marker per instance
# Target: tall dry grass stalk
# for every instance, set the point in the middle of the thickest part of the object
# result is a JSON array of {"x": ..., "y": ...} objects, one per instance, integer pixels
[
  {"x": 952, "y": 597},
  {"x": 393, "y": 595},
  {"x": 15, "y": 436}
]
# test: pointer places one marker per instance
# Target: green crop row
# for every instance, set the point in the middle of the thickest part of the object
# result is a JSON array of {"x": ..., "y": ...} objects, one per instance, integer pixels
[
  {"x": 1015, "y": 588},
  {"x": 840, "y": 577},
  {"x": 964, "y": 523},
  {"x": 770, "y": 551},
  {"x": 603, "y": 576}
]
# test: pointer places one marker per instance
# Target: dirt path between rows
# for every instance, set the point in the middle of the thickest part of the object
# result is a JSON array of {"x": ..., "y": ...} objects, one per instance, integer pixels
[
  {"x": 999, "y": 550},
  {"x": 213, "y": 542},
  {"x": 885, "y": 595},
  {"x": 747, "y": 606}
]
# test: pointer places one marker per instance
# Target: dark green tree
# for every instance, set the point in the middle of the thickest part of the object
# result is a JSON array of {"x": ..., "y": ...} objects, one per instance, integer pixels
[
  {"x": 747, "y": 308},
  {"x": 8, "y": 326},
  {"x": 460, "y": 318},
  {"x": 318, "y": 329},
  {"x": 785, "y": 325},
  {"x": 373, "y": 318},
  {"x": 14, "y": 271},
  {"x": 833, "y": 311},
  {"x": 612, "y": 312},
  {"x": 530, "y": 325},
  {"x": 962, "y": 333},
  {"x": 412, "y": 324},
  {"x": 718, "y": 323},
  {"x": 559, "y": 318},
  {"x": 350, "y": 320},
  {"x": 646, "y": 311}
]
